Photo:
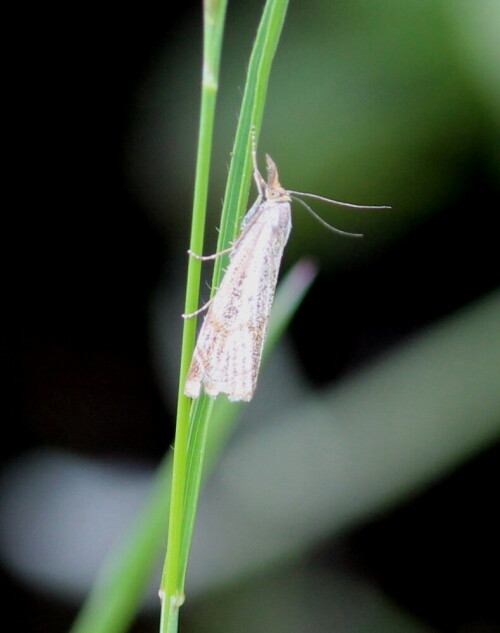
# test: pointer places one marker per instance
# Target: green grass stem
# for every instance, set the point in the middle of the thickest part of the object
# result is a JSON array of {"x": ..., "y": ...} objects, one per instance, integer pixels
[
  {"x": 171, "y": 593},
  {"x": 235, "y": 201}
]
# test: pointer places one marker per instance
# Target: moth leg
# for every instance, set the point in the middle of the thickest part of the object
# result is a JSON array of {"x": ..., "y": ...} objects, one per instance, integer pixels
[
  {"x": 199, "y": 311},
  {"x": 259, "y": 181},
  {"x": 205, "y": 258}
]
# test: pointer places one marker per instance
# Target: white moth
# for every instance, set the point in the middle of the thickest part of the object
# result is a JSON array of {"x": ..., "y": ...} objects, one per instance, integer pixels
[{"x": 228, "y": 352}]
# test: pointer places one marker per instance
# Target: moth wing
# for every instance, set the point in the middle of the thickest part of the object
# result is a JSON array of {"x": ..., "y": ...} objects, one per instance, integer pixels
[{"x": 229, "y": 348}]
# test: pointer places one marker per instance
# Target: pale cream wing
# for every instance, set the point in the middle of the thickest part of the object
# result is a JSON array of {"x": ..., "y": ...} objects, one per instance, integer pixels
[{"x": 229, "y": 348}]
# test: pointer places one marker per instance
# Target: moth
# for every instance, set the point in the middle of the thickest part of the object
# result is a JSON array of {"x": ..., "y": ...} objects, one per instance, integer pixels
[{"x": 229, "y": 348}]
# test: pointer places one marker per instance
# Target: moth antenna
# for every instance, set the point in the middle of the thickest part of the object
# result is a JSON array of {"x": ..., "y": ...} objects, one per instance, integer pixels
[
  {"x": 324, "y": 222},
  {"x": 341, "y": 204}
]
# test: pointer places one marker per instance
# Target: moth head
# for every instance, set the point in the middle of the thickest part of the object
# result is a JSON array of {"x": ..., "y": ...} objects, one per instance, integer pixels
[{"x": 274, "y": 190}]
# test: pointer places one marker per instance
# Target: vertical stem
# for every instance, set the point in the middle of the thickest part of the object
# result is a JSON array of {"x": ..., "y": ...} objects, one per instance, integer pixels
[
  {"x": 252, "y": 109},
  {"x": 189, "y": 453},
  {"x": 170, "y": 588}
]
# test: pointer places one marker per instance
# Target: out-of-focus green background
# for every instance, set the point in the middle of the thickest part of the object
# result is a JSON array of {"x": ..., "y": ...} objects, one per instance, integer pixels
[{"x": 361, "y": 491}]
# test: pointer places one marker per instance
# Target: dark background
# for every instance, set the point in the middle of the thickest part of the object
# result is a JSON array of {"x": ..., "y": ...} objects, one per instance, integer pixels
[{"x": 89, "y": 254}]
